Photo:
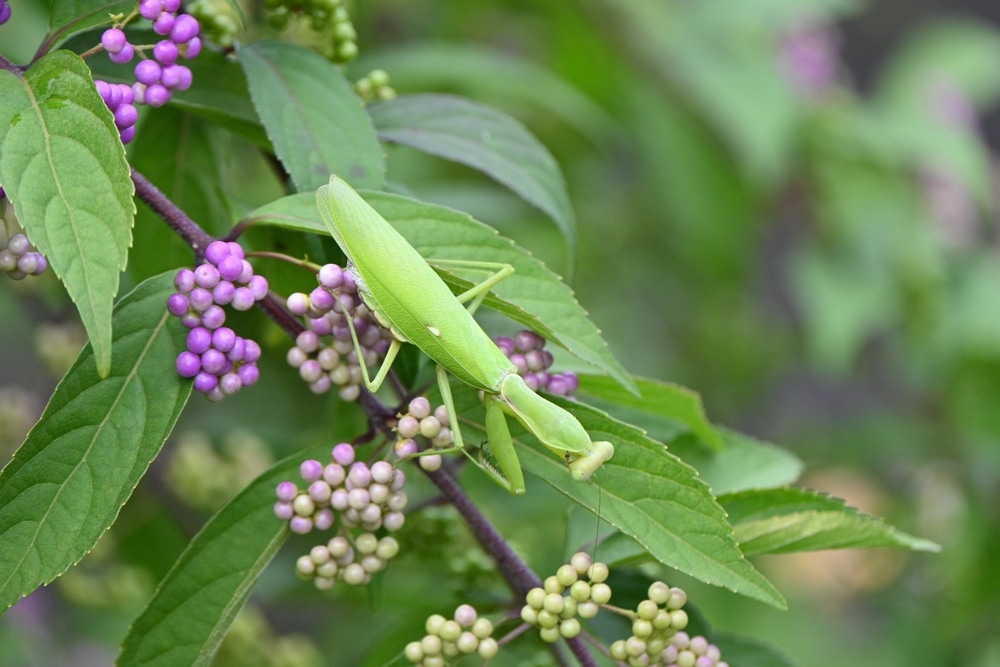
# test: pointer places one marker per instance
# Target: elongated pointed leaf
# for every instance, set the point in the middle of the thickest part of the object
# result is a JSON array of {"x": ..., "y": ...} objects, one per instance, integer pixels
[
  {"x": 776, "y": 521},
  {"x": 315, "y": 120},
  {"x": 81, "y": 461},
  {"x": 63, "y": 166},
  {"x": 645, "y": 492},
  {"x": 533, "y": 295},
  {"x": 196, "y": 602},
  {"x": 485, "y": 139},
  {"x": 743, "y": 463},
  {"x": 677, "y": 406}
]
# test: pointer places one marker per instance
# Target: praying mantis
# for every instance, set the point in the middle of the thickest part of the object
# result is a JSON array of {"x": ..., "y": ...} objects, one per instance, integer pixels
[{"x": 407, "y": 297}]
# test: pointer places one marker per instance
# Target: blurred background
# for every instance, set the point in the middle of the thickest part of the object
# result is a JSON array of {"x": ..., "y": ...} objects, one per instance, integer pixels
[{"x": 789, "y": 206}]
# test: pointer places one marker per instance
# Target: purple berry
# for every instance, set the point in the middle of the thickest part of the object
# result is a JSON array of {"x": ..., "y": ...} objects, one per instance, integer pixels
[
  {"x": 42, "y": 264},
  {"x": 216, "y": 252},
  {"x": 230, "y": 267},
  {"x": 165, "y": 52},
  {"x": 127, "y": 134},
  {"x": 230, "y": 383},
  {"x": 123, "y": 56},
  {"x": 359, "y": 476},
  {"x": 321, "y": 300},
  {"x": 205, "y": 382},
  {"x": 252, "y": 353},
  {"x": 300, "y": 524},
  {"x": 113, "y": 40},
  {"x": 156, "y": 95},
  {"x": 311, "y": 470},
  {"x": 192, "y": 48},
  {"x": 164, "y": 23},
  {"x": 5, "y": 12},
  {"x": 148, "y": 72},
  {"x": 185, "y": 28},
  {"x": 18, "y": 244},
  {"x": 213, "y": 361},
  {"x": 243, "y": 299},
  {"x": 138, "y": 93},
  {"x": 188, "y": 364},
  {"x": 283, "y": 510},
  {"x": 258, "y": 287},
  {"x": 246, "y": 274},
  {"x": 213, "y": 317},
  {"x": 249, "y": 374},
  {"x": 206, "y": 276},
  {"x": 310, "y": 370},
  {"x": 199, "y": 340},
  {"x": 506, "y": 345},
  {"x": 343, "y": 454},
  {"x": 126, "y": 116},
  {"x": 191, "y": 320},
  {"x": 151, "y": 9},
  {"x": 235, "y": 249},
  {"x": 331, "y": 276},
  {"x": 297, "y": 303},
  {"x": 104, "y": 90},
  {"x": 223, "y": 292},
  {"x": 286, "y": 491},
  {"x": 238, "y": 351},
  {"x": 223, "y": 339},
  {"x": 323, "y": 520},
  {"x": 184, "y": 281},
  {"x": 200, "y": 299}
]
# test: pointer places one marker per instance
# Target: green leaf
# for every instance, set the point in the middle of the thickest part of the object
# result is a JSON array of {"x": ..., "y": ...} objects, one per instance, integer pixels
[
  {"x": 743, "y": 463},
  {"x": 662, "y": 406},
  {"x": 69, "y": 17},
  {"x": 196, "y": 602},
  {"x": 749, "y": 651},
  {"x": 533, "y": 295},
  {"x": 778, "y": 521},
  {"x": 496, "y": 77},
  {"x": 63, "y": 166},
  {"x": 312, "y": 115},
  {"x": 646, "y": 493},
  {"x": 485, "y": 139},
  {"x": 83, "y": 458}
]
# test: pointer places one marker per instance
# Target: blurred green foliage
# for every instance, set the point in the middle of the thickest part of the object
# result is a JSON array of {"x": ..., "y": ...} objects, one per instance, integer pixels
[{"x": 820, "y": 264}]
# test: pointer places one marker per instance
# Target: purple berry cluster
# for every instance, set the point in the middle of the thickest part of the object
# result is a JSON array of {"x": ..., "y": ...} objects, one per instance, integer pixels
[
  {"x": 17, "y": 257},
  {"x": 4, "y": 11},
  {"x": 359, "y": 496},
  {"x": 464, "y": 634},
  {"x": 527, "y": 350},
  {"x": 324, "y": 353},
  {"x": 420, "y": 420},
  {"x": 220, "y": 362},
  {"x": 157, "y": 77}
]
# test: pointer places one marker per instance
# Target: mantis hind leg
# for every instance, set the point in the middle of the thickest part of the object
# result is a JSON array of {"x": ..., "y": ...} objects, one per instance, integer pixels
[{"x": 383, "y": 371}]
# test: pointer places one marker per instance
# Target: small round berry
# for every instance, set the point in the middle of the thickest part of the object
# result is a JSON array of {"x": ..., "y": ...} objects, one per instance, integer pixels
[
  {"x": 286, "y": 491},
  {"x": 343, "y": 454},
  {"x": 677, "y": 599},
  {"x": 184, "y": 29},
  {"x": 213, "y": 317},
  {"x": 192, "y": 48},
  {"x": 215, "y": 362},
  {"x": 550, "y": 635},
  {"x": 188, "y": 364},
  {"x": 420, "y": 407},
  {"x": 587, "y": 609},
  {"x": 123, "y": 56},
  {"x": 148, "y": 72},
  {"x": 184, "y": 281},
  {"x": 252, "y": 351},
  {"x": 359, "y": 476},
  {"x": 297, "y": 303},
  {"x": 600, "y": 593},
  {"x": 199, "y": 340},
  {"x": 430, "y": 427},
  {"x": 258, "y": 287},
  {"x": 113, "y": 40},
  {"x": 488, "y": 648},
  {"x": 165, "y": 52},
  {"x": 243, "y": 299},
  {"x": 387, "y": 548},
  {"x": 331, "y": 276},
  {"x": 358, "y": 498},
  {"x": 355, "y": 575},
  {"x": 223, "y": 292},
  {"x": 382, "y": 472},
  {"x": 283, "y": 510},
  {"x": 580, "y": 591},
  {"x": 126, "y": 116},
  {"x": 431, "y": 463},
  {"x": 205, "y": 382},
  {"x": 570, "y": 628},
  {"x": 300, "y": 524},
  {"x": 678, "y": 619},
  {"x": 597, "y": 573},
  {"x": 393, "y": 521},
  {"x": 311, "y": 470},
  {"x": 320, "y": 492},
  {"x": 156, "y": 95},
  {"x": 164, "y": 23},
  {"x": 324, "y": 519}
]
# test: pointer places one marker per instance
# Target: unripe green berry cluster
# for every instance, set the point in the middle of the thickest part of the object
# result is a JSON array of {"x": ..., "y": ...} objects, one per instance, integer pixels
[
  {"x": 527, "y": 351},
  {"x": 204, "y": 477},
  {"x": 324, "y": 353},
  {"x": 577, "y": 589},
  {"x": 430, "y": 425},
  {"x": 218, "y": 21},
  {"x": 18, "y": 258},
  {"x": 360, "y": 500},
  {"x": 328, "y": 18},
  {"x": 464, "y": 634},
  {"x": 374, "y": 87},
  {"x": 656, "y": 621}
]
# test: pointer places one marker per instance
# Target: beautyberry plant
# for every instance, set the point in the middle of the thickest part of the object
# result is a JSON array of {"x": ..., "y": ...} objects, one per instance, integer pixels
[{"x": 233, "y": 170}]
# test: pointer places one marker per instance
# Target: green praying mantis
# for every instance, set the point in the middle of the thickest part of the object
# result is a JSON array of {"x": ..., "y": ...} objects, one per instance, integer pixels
[{"x": 407, "y": 297}]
